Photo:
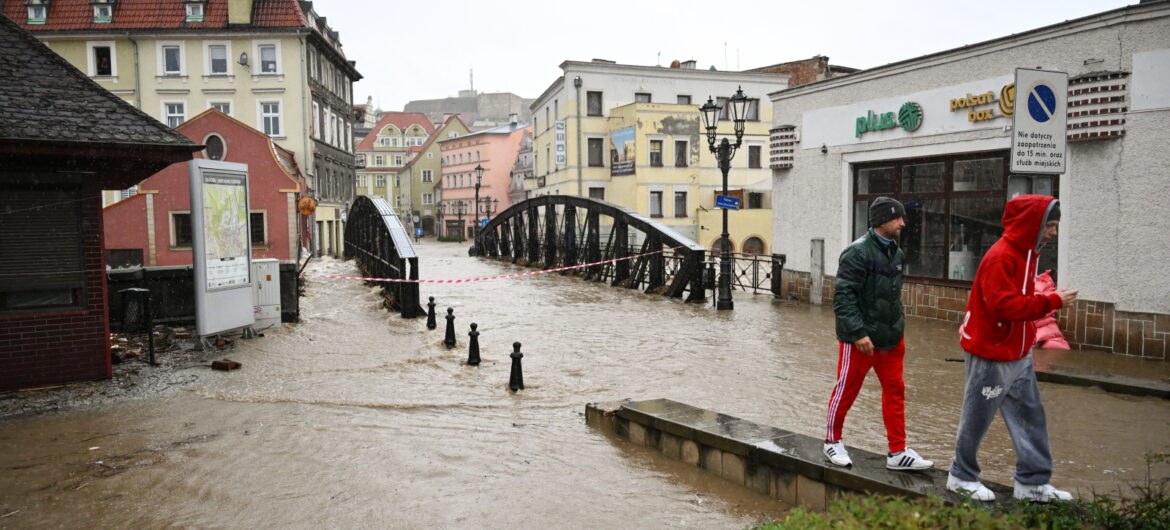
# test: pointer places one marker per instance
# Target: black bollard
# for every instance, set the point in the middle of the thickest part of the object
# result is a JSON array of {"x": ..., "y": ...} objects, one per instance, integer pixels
[
  {"x": 431, "y": 313},
  {"x": 516, "y": 381},
  {"x": 473, "y": 354},
  {"x": 449, "y": 340}
]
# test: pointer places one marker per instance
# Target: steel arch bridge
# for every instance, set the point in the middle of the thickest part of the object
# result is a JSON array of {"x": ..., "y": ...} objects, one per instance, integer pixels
[
  {"x": 563, "y": 231},
  {"x": 376, "y": 239}
]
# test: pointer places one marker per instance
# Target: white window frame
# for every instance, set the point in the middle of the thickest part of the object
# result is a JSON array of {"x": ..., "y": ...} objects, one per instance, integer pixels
[
  {"x": 166, "y": 114},
  {"x": 430, "y": 156},
  {"x": 89, "y": 47},
  {"x": 34, "y": 10},
  {"x": 100, "y": 18},
  {"x": 428, "y": 199},
  {"x": 397, "y": 160},
  {"x": 428, "y": 175},
  {"x": 193, "y": 16},
  {"x": 160, "y": 50},
  {"x": 686, "y": 152},
  {"x": 211, "y": 103},
  {"x": 686, "y": 204},
  {"x": 650, "y": 203},
  {"x": 315, "y": 128},
  {"x": 258, "y": 69},
  {"x": 227, "y": 49},
  {"x": 379, "y": 160},
  {"x": 380, "y": 181},
  {"x": 260, "y": 116}
]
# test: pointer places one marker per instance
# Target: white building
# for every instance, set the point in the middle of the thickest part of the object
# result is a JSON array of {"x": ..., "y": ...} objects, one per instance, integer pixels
[{"x": 951, "y": 171}]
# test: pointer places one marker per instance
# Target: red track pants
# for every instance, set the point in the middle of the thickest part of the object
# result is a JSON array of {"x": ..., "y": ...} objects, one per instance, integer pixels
[{"x": 852, "y": 367}]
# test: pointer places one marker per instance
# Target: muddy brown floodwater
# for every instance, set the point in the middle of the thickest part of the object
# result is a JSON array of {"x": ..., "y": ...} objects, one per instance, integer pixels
[{"x": 358, "y": 418}]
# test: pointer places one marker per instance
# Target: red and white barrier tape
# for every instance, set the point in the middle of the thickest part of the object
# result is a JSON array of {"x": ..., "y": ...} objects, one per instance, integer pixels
[{"x": 486, "y": 278}]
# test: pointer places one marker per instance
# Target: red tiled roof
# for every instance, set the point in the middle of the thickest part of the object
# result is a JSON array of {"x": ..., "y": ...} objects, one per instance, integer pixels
[
  {"x": 154, "y": 14},
  {"x": 435, "y": 136},
  {"x": 277, "y": 14},
  {"x": 402, "y": 120}
]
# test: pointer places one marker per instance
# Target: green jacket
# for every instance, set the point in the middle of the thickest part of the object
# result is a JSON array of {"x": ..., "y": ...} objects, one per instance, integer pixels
[{"x": 868, "y": 296}]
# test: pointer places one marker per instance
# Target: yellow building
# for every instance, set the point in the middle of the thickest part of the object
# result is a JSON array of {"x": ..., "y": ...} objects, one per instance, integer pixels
[
  {"x": 271, "y": 64},
  {"x": 633, "y": 136}
]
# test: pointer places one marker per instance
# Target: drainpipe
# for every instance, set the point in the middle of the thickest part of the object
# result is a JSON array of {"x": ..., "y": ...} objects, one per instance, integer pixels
[
  {"x": 580, "y": 181},
  {"x": 137, "y": 77}
]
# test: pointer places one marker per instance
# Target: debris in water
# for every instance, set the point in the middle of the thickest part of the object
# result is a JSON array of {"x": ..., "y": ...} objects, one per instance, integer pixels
[{"x": 224, "y": 365}]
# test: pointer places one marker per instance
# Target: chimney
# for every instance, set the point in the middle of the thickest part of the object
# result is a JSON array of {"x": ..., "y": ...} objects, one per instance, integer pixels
[
  {"x": 239, "y": 12},
  {"x": 513, "y": 118}
]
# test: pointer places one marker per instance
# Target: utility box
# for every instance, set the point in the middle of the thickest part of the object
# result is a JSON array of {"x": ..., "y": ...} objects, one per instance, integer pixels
[{"x": 266, "y": 292}]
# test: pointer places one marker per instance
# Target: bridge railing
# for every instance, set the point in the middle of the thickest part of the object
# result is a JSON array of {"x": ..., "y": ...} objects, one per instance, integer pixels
[
  {"x": 753, "y": 272},
  {"x": 377, "y": 241},
  {"x": 626, "y": 248}
]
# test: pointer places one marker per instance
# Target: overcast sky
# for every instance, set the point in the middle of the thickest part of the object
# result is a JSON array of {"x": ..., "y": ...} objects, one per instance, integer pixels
[{"x": 425, "y": 49}]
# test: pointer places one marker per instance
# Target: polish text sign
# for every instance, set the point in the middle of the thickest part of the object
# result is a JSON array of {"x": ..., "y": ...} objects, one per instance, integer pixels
[{"x": 1038, "y": 132}]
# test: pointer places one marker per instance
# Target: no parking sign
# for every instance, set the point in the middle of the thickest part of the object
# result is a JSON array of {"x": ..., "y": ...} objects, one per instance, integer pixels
[{"x": 1038, "y": 132}]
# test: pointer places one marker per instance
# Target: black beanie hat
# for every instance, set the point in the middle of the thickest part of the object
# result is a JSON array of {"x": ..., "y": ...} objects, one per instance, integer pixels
[
  {"x": 884, "y": 210},
  {"x": 1054, "y": 213}
]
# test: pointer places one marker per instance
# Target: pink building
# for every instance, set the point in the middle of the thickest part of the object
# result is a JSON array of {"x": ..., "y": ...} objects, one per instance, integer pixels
[
  {"x": 155, "y": 224},
  {"x": 495, "y": 151}
]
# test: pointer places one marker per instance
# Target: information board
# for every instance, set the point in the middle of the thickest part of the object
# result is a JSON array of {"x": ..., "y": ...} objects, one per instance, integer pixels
[{"x": 221, "y": 246}]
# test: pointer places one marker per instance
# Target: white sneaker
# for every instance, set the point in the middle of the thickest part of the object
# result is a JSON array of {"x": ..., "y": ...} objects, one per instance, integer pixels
[
  {"x": 1040, "y": 493},
  {"x": 907, "y": 460},
  {"x": 837, "y": 454},
  {"x": 975, "y": 490}
]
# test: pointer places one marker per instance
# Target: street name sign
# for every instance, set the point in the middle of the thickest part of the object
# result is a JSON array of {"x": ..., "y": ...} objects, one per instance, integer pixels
[
  {"x": 1039, "y": 123},
  {"x": 723, "y": 201}
]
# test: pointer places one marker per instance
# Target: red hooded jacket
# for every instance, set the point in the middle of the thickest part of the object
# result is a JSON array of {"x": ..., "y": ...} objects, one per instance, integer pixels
[{"x": 1002, "y": 304}]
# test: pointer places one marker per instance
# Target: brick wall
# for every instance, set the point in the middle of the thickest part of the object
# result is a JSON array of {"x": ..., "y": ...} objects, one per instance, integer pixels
[
  {"x": 1087, "y": 324},
  {"x": 47, "y": 349}
]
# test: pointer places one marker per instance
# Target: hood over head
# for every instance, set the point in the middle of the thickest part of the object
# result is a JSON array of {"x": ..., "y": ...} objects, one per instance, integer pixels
[{"x": 1024, "y": 218}]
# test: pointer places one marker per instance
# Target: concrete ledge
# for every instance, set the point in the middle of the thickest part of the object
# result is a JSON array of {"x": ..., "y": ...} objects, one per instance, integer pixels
[
  {"x": 1120, "y": 384},
  {"x": 781, "y": 464}
]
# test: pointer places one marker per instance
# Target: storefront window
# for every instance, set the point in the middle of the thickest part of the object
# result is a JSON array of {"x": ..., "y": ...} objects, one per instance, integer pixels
[{"x": 953, "y": 209}]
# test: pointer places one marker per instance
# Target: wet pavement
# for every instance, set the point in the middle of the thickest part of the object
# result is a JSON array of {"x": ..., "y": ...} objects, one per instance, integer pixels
[{"x": 358, "y": 418}]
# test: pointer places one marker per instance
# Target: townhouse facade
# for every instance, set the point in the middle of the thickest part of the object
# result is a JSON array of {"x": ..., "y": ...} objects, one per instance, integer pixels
[
  {"x": 385, "y": 151},
  {"x": 632, "y": 135},
  {"x": 274, "y": 65},
  {"x": 419, "y": 178},
  {"x": 494, "y": 152}
]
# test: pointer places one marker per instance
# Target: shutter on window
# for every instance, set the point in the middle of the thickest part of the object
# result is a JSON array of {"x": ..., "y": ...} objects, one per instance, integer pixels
[{"x": 41, "y": 241}]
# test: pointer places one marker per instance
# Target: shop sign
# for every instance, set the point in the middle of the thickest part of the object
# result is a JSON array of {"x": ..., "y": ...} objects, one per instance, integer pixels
[
  {"x": 560, "y": 143},
  {"x": 982, "y": 107},
  {"x": 908, "y": 117}
]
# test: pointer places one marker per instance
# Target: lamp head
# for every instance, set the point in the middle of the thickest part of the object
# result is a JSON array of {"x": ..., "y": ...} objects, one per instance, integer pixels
[
  {"x": 739, "y": 104},
  {"x": 710, "y": 112}
]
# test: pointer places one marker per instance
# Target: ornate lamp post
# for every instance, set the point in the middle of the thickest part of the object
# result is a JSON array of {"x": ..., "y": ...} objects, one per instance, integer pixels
[
  {"x": 478, "y": 181},
  {"x": 724, "y": 152}
]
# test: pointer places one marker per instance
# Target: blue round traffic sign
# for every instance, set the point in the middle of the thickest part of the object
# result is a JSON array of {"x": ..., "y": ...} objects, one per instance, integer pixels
[{"x": 1041, "y": 103}]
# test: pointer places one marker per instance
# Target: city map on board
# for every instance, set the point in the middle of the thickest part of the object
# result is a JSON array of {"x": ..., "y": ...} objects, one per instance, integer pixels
[{"x": 225, "y": 229}]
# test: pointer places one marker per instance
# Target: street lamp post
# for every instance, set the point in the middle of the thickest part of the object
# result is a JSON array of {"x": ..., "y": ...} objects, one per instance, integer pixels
[
  {"x": 460, "y": 209},
  {"x": 478, "y": 181},
  {"x": 724, "y": 152}
]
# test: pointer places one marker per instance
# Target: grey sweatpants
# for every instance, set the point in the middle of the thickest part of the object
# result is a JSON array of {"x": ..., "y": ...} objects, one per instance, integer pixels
[{"x": 1009, "y": 387}]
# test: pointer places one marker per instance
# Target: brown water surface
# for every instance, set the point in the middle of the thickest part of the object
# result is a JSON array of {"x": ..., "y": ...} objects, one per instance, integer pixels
[{"x": 358, "y": 418}]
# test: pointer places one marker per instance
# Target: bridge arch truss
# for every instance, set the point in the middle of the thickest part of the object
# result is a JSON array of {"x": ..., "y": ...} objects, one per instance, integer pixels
[
  {"x": 553, "y": 231},
  {"x": 377, "y": 241}
]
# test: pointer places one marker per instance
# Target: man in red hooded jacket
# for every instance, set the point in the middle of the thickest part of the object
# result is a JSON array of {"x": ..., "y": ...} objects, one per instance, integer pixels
[{"x": 997, "y": 336}]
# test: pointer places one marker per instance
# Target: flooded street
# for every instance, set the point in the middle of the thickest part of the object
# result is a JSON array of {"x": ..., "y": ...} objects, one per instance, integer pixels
[{"x": 358, "y": 418}]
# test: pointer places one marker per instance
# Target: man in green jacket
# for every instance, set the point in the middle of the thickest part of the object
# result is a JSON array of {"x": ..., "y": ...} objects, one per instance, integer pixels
[{"x": 870, "y": 321}]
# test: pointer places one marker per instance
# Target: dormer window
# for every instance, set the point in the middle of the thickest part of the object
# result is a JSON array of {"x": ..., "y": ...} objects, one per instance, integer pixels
[
  {"x": 103, "y": 11},
  {"x": 195, "y": 9},
  {"x": 38, "y": 11}
]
